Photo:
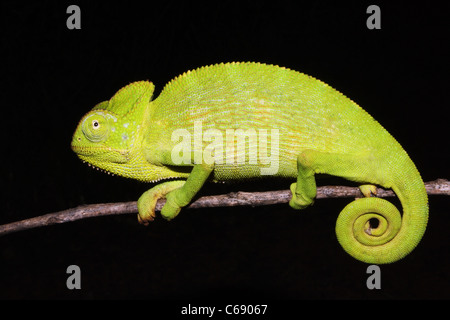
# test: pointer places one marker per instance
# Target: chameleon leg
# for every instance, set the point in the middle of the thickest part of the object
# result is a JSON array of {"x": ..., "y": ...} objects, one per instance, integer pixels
[
  {"x": 310, "y": 162},
  {"x": 181, "y": 197},
  {"x": 177, "y": 193},
  {"x": 354, "y": 229},
  {"x": 304, "y": 190}
]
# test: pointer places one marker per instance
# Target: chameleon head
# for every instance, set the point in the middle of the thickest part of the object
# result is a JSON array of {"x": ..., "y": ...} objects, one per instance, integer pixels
[
  {"x": 97, "y": 140},
  {"x": 108, "y": 137}
]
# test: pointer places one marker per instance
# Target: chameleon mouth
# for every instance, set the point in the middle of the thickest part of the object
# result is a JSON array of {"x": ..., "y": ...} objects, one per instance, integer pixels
[
  {"x": 87, "y": 151},
  {"x": 106, "y": 154}
]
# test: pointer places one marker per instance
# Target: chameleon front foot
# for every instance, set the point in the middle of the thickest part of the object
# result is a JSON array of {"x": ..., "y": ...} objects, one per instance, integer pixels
[{"x": 147, "y": 202}]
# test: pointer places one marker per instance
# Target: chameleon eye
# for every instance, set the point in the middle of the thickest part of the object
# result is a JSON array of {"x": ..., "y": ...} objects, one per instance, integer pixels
[
  {"x": 95, "y": 127},
  {"x": 95, "y": 124}
]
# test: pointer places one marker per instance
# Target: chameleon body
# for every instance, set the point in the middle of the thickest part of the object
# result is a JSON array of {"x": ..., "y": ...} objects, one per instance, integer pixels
[{"x": 318, "y": 130}]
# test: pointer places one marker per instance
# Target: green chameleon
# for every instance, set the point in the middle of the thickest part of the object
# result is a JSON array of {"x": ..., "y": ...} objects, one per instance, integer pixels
[{"x": 219, "y": 122}]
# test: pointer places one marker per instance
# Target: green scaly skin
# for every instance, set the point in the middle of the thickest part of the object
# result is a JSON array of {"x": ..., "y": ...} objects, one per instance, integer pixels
[{"x": 320, "y": 131}]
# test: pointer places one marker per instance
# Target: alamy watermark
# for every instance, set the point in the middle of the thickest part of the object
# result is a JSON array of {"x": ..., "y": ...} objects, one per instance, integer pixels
[
  {"x": 374, "y": 280},
  {"x": 227, "y": 147},
  {"x": 74, "y": 280}
]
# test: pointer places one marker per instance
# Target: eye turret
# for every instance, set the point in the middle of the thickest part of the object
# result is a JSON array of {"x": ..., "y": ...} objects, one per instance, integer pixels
[{"x": 95, "y": 127}]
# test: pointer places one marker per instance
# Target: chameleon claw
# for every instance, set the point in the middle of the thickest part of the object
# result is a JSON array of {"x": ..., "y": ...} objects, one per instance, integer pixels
[
  {"x": 146, "y": 208},
  {"x": 368, "y": 189},
  {"x": 143, "y": 221}
]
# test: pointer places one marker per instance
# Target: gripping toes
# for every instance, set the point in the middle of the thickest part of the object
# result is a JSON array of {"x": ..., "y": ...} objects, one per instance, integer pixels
[
  {"x": 368, "y": 189},
  {"x": 146, "y": 207},
  {"x": 299, "y": 200},
  {"x": 171, "y": 208},
  {"x": 147, "y": 202}
]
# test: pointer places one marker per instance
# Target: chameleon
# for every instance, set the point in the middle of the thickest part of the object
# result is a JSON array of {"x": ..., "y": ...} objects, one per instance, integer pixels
[{"x": 218, "y": 123}]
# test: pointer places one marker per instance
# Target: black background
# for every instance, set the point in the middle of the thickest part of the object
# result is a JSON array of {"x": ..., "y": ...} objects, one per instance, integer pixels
[{"x": 52, "y": 76}]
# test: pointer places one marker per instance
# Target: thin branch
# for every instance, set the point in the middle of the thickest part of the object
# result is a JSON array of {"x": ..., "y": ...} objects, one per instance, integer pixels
[{"x": 437, "y": 187}]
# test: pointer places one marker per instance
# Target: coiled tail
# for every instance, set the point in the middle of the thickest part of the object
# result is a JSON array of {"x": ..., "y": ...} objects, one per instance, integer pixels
[{"x": 395, "y": 235}]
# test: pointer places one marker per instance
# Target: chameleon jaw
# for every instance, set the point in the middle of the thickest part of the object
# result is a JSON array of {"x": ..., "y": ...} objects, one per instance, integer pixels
[
  {"x": 156, "y": 180},
  {"x": 97, "y": 168}
]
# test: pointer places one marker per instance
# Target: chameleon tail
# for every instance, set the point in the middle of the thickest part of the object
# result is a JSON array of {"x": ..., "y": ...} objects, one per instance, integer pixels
[{"x": 394, "y": 236}]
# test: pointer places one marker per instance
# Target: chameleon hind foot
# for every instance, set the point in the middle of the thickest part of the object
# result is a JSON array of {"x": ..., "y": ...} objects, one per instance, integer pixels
[
  {"x": 368, "y": 189},
  {"x": 299, "y": 200}
]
